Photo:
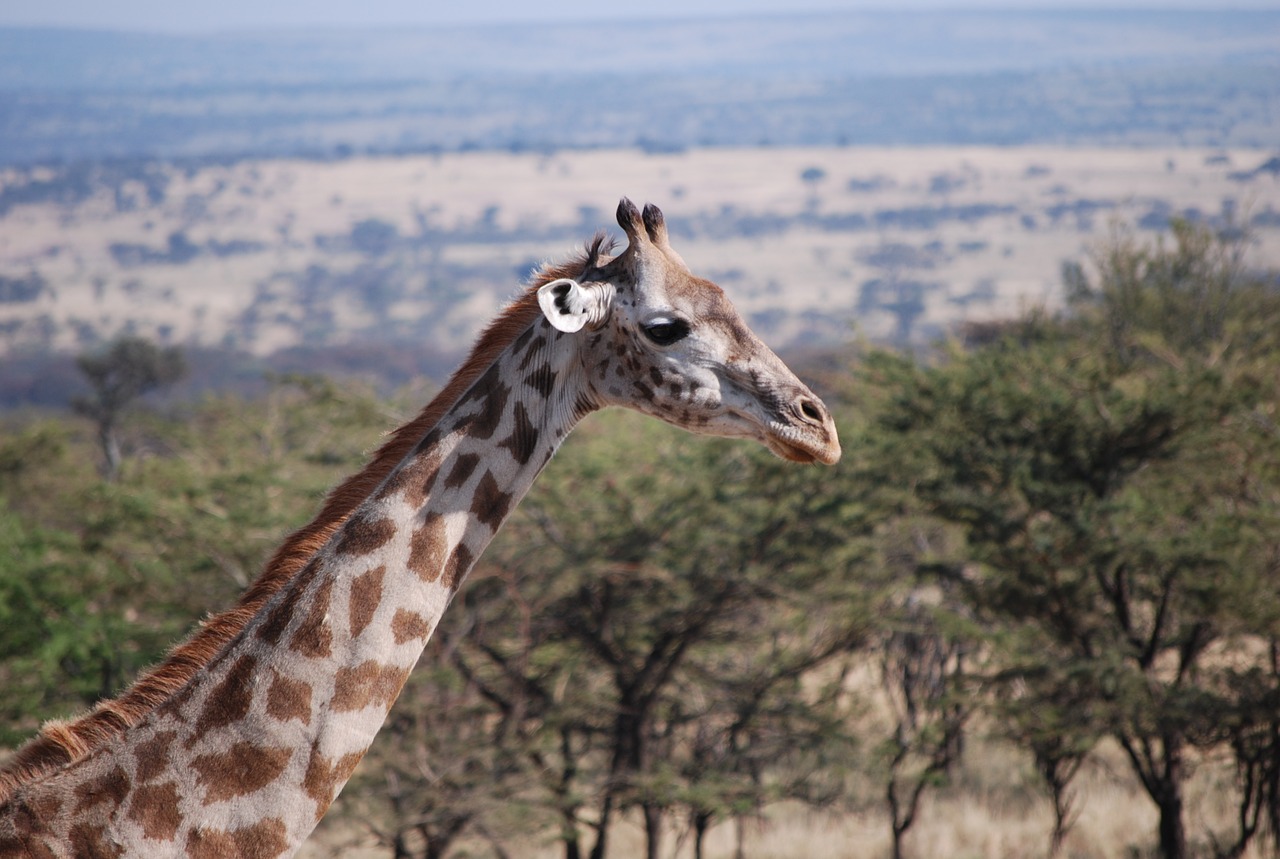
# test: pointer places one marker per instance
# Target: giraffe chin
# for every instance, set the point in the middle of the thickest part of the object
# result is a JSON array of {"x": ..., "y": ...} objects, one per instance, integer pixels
[{"x": 803, "y": 454}]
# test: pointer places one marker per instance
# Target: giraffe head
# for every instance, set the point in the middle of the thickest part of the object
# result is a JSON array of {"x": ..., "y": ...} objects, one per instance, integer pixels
[{"x": 658, "y": 339}]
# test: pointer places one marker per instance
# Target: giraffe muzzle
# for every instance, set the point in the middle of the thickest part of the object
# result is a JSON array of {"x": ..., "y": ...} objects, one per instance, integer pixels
[{"x": 807, "y": 434}]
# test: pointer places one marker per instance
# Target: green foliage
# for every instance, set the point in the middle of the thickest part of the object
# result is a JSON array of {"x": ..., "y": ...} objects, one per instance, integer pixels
[
  {"x": 97, "y": 578},
  {"x": 1191, "y": 299},
  {"x": 1110, "y": 479}
]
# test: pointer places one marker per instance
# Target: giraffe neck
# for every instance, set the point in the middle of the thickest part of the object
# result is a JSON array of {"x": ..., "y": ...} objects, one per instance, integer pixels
[{"x": 249, "y": 755}]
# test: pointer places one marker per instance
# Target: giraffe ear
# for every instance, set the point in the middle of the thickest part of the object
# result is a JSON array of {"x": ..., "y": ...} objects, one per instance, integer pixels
[{"x": 569, "y": 306}]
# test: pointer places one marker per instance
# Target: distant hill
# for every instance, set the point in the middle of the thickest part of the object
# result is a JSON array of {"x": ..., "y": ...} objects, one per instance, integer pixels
[{"x": 1204, "y": 78}]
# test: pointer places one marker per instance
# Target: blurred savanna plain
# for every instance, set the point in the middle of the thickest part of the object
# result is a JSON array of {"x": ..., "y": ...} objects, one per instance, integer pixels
[{"x": 1033, "y": 611}]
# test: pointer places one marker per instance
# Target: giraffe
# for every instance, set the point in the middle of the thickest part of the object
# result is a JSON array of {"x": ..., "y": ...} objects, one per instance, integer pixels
[{"x": 238, "y": 742}]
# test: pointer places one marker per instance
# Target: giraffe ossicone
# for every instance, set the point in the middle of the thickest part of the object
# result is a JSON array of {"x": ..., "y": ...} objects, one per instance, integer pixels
[{"x": 237, "y": 743}]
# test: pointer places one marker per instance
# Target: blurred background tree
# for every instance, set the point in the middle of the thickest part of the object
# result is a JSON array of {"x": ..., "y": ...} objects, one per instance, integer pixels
[
  {"x": 98, "y": 578},
  {"x": 118, "y": 375},
  {"x": 1110, "y": 474}
]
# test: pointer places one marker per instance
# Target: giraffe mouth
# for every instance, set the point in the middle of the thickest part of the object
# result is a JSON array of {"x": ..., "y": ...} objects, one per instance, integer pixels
[
  {"x": 794, "y": 446},
  {"x": 791, "y": 453},
  {"x": 787, "y": 419}
]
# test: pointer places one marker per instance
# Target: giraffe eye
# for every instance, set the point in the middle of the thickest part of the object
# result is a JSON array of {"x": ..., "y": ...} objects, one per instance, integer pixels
[{"x": 664, "y": 332}]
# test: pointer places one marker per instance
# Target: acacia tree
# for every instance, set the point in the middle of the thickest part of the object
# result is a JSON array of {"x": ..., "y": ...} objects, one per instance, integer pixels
[
  {"x": 922, "y": 666},
  {"x": 646, "y": 649},
  {"x": 118, "y": 375},
  {"x": 1094, "y": 466},
  {"x": 1044, "y": 719},
  {"x": 763, "y": 721},
  {"x": 450, "y": 768}
]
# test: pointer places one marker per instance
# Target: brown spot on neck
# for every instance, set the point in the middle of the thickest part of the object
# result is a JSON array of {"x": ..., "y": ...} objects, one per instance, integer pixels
[
  {"x": 278, "y": 618},
  {"x": 417, "y": 475},
  {"x": 535, "y": 348},
  {"x": 89, "y": 841},
  {"x": 314, "y": 638},
  {"x": 409, "y": 626},
  {"x": 289, "y": 699},
  {"x": 366, "y": 684},
  {"x": 493, "y": 393},
  {"x": 229, "y": 701},
  {"x": 463, "y": 467},
  {"x": 240, "y": 770},
  {"x": 490, "y": 505},
  {"x": 111, "y": 787},
  {"x": 155, "y": 808},
  {"x": 324, "y": 776},
  {"x": 46, "y": 808},
  {"x": 524, "y": 436},
  {"x": 363, "y": 536},
  {"x": 153, "y": 755},
  {"x": 520, "y": 342},
  {"x": 265, "y": 839},
  {"x": 366, "y": 594},
  {"x": 542, "y": 380},
  {"x": 426, "y": 549},
  {"x": 459, "y": 563},
  {"x": 428, "y": 441}
]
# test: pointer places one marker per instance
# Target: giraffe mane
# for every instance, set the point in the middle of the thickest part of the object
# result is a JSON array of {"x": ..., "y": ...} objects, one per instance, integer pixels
[{"x": 60, "y": 743}]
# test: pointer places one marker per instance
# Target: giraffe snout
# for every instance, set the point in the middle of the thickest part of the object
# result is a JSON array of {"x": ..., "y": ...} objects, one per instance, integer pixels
[{"x": 806, "y": 431}]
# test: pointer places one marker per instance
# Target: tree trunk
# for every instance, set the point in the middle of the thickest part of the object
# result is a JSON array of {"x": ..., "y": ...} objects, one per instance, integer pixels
[
  {"x": 1159, "y": 768},
  {"x": 438, "y": 843},
  {"x": 1161, "y": 774},
  {"x": 572, "y": 850},
  {"x": 898, "y": 832},
  {"x": 1058, "y": 770},
  {"x": 902, "y": 813},
  {"x": 1173, "y": 835},
  {"x": 110, "y": 451},
  {"x": 568, "y": 813},
  {"x": 625, "y": 761},
  {"x": 652, "y": 830},
  {"x": 1059, "y": 834},
  {"x": 701, "y": 823},
  {"x": 602, "y": 833}
]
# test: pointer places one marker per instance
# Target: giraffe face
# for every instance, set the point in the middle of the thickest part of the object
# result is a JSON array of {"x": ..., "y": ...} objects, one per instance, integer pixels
[{"x": 656, "y": 338}]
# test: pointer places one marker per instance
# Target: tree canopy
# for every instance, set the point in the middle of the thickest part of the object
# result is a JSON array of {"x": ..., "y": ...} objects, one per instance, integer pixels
[{"x": 1110, "y": 479}]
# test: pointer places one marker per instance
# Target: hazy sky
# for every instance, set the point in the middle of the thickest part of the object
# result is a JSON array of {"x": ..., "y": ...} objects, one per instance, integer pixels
[{"x": 204, "y": 17}]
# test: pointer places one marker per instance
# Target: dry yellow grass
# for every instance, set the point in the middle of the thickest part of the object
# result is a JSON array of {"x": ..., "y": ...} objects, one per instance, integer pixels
[
  {"x": 1116, "y": 821},
  {"x": 986, "y": 266},
  {"x": 994, "y": 808}
]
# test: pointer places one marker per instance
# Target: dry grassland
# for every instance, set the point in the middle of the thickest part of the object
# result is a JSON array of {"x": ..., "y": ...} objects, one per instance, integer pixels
[
  {"x": 813, "y": 244},
  {"x": 994, "y": 806},
  {"x": 994, "y": 809}
]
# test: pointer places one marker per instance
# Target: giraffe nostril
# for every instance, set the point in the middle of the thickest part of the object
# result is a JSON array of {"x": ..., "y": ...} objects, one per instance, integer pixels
[{"x": 811, "y": 410}]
